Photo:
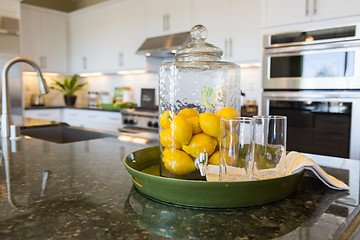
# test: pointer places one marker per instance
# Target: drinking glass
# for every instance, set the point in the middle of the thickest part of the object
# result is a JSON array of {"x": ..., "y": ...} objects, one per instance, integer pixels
[
  {"x": 269, "y": 146},
  {"x": 236, "y": 149}
]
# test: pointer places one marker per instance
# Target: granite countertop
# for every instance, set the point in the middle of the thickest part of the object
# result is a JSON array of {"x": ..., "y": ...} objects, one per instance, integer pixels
[{"x": 81, "y": 190}]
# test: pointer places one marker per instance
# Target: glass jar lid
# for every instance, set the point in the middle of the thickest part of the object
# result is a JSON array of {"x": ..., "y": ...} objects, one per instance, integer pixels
[{"x": 198, "y": 49}]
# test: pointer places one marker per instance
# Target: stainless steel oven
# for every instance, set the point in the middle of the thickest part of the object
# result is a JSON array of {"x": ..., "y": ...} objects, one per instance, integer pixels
[
  {"x": 313, "y": 77},
  {"x": 319, "y": 122},
  {"x": 318, "y": 59}
]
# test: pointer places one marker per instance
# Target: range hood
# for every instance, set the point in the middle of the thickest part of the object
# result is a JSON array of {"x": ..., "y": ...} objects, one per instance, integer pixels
[{"x": 164, "y": 46}]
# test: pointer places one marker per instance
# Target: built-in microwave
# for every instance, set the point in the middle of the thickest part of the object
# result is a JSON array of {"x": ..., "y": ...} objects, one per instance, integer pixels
[{"x": 318, "y": 59}]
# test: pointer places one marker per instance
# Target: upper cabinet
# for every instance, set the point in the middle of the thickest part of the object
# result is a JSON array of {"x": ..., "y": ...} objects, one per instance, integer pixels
[
  {"x": 124, "y": 29},
  {"x": 233, "y": 25},
  {"x": 284, "y": 12},
  {"x": 167, "y": 16},
  {"x": 44, "y": 38},
  {"x": 326, "y": 9},
  {"x": 86, "y": 41},
  {"x": 105, "y": 39},
  {"x": 10, "y": 8}
]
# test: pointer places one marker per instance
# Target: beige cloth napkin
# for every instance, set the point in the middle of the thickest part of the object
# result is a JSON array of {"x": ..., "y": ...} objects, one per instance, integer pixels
[{"x": 295, "y": 162}]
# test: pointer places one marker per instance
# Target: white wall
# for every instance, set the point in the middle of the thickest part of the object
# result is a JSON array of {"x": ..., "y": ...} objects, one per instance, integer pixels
[
  {"x": 135, "y": 82},
  {"x": 250, "y": 84},
  {"x": 54, "y": 98}
]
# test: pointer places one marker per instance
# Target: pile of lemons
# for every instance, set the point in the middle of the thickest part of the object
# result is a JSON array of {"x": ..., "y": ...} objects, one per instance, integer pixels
[{"x": 187, "y": 134}]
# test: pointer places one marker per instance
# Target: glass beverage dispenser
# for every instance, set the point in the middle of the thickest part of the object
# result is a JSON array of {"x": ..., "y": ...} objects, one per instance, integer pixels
[{"x": 195, "y": 91}]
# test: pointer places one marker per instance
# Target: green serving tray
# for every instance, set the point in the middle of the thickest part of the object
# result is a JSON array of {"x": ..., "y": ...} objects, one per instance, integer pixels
[{"x": 202, "y": 193}]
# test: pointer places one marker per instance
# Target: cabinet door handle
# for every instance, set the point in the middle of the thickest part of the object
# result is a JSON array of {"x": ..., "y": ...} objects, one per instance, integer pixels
[
  {"x": 91, "y": 116},
  {"x": 84, "y": 62},
  {"x": 307, "y": 8},
  {"x": 113, "y": 118},
  {"x": 164, "y": 24},
  {"x": 121, "y": 59},
  {"x": 230, "y": 47},
  {"x": 41, "y": 61},
  {"x": 44, "y": 62},
  {"x": 168, "y": 22},
  {"x": 315, "y": 7}
]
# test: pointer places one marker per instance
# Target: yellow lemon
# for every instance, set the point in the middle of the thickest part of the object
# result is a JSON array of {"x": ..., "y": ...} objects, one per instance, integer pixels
[
  {"x": 229, "y": 158},
  {"x": 167, "y": 139},
  {"x": 166, "y": 118},
  {"x": 188, "y": 112},
  {"x": 178, "y": 162},
  {"x": 200, "y": 143},
  {"x": 210, "y": 124},
  {"x": 215, "y": 158},
  {"x": 166, "y": 151},
  {"x": 195, "y": 124},
  {"x": 182, "y": 129},
  {"x": 227, "y": 112}
]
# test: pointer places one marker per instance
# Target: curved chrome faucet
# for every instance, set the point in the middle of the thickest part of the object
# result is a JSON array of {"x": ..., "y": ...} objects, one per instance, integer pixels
[{"x": 44, "y": 89}]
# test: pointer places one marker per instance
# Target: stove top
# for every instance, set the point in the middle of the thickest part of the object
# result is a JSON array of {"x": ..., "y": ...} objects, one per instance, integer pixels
[{"x": 140, "y": 119}]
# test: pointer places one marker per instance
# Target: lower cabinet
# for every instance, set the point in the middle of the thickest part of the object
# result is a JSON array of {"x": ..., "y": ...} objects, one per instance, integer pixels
[
  {"x": 94, "y": 119},
  {"x": 45, "y": 114}
]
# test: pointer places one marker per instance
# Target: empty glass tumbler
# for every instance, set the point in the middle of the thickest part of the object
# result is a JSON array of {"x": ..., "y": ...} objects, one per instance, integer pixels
[
  {"x": 270, "y": 146},
  {"x": 236, "y": 149}
]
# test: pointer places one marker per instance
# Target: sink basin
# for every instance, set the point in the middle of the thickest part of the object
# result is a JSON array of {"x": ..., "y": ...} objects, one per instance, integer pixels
[{"x": 62, "y": 133}]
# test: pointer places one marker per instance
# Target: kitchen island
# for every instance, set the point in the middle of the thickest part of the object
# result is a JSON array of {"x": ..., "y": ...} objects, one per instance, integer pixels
[{"x": 81, "y": 190}]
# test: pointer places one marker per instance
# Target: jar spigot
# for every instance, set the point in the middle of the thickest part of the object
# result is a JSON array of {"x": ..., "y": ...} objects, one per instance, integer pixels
[{"x": 201, "y": 163}]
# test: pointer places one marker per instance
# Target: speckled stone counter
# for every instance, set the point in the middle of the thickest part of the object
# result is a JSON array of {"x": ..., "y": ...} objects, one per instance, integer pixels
[{"x": 81, "y": 190}]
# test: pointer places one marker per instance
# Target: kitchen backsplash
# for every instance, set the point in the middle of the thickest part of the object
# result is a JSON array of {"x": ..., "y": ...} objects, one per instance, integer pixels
[
  {"x": 54, "y": 98},
  {"x": 250, "y": 85}
]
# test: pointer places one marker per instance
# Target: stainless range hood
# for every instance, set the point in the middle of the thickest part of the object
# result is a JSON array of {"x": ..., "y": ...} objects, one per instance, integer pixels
[{"x": 164, "y": 46}]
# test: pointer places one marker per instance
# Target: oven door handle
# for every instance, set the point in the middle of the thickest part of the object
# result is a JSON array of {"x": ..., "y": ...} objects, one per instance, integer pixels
[{"x": 316, "y": 47}]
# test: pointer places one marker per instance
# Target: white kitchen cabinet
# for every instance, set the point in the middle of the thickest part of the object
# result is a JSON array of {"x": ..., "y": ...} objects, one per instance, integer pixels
[
  {"x": 124, "y": 31},
  {"x": 86, "y": 43},
  {"x": 233, "y": 26},
  {"x": 95, "y": 119},
  {"x": 214, "y": 15},
  {"x": 327, "y": 9},
  {"x": 283, "y": 12},
  {"x": 10, "y": 8},
  {"x": 44, "y": 38},
  {"x": 167, "y": 17},
  {"x": 245, "y": 31},
  {"x": 44, "y": 114},
  {"x": 77, "y": 31},
  {"x": 105, "y": 39}
]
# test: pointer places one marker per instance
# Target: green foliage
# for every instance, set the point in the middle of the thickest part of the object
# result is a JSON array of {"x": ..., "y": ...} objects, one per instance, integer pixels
[{"x": 68, "y": 87}]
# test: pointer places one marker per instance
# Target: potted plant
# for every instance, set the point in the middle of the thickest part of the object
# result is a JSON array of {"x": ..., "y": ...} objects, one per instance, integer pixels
[{"x": 68, "y": 88}]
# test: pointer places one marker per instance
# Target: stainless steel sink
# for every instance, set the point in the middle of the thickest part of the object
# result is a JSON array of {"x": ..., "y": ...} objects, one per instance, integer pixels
[{"x": 62, "y": 133}]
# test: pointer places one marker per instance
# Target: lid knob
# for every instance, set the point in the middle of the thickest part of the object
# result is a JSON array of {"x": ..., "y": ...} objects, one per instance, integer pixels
[
  {"x": 198, "y": 49},
  {"x": 198, "y": 33}
]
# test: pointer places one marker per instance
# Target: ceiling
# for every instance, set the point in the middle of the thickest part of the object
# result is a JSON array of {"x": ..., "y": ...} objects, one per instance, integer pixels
[{"x": 63, "y": 5}]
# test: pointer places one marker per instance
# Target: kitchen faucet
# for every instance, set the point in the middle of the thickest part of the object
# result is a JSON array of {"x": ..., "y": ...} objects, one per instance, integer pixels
[{"x": 5, "y": 116}]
